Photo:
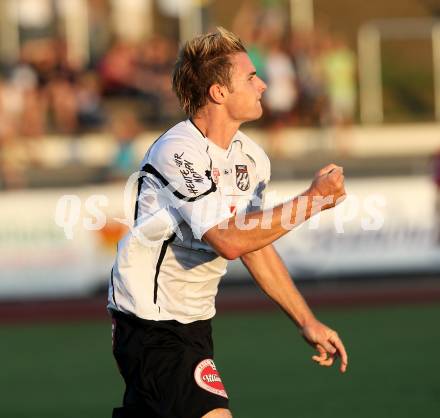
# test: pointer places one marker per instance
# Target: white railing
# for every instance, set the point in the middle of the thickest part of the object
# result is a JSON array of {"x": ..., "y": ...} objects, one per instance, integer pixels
[{"x": 370, "y": 37}]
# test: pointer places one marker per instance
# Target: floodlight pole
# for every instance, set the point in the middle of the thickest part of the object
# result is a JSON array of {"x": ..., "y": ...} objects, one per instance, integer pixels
[
  {"x": 369, "y": 59},
  {"x": 370, "y": 75},
  {"x": 301, "y": 14},
  {"x": 436, "y": 64},
  {"x": 190, "y": 20},
  {"x": 9, "y": 33},
  {"x": 77, "y": 30}
]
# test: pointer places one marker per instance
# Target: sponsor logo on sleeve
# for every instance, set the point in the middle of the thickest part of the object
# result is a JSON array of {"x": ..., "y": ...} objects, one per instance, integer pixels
[
  {"x": 208, "y": 378},
  {"x": 242, "y": 177},
  {"x": 190, "y": 176}
]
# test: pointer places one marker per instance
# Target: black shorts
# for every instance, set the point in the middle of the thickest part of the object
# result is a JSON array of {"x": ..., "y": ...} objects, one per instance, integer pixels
[{"x": 167, "y": 368}]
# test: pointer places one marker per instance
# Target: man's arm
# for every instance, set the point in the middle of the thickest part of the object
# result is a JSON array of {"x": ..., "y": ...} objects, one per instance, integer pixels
[
  {"x": 232, "y": 241},
  {"x": 271, "y": 274}
]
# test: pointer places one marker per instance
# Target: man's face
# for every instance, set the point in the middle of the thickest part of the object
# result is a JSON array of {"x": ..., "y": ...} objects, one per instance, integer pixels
[{"x": 244, "y": 100}]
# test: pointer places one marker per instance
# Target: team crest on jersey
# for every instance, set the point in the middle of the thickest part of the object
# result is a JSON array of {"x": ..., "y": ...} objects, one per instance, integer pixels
[
  {"x": 207, "y": 377},
  {"x": 242, "y": 177}
]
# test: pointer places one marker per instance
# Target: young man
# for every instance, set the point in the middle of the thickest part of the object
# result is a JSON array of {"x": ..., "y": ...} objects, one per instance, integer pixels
[{"x": 199, "y": 205}]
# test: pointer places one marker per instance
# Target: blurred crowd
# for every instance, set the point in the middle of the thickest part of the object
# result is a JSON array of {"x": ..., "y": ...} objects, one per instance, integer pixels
[
  {"x": 310, "y": 73},
  {"x": 46, "y": 93},
  {"x": 310, "y": 76}
]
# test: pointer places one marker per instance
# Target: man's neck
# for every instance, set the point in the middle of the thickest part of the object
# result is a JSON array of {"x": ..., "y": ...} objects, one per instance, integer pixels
[{"x": 216, "y": 128}]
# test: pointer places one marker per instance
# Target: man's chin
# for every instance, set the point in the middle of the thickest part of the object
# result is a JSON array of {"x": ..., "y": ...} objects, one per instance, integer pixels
[{"x": 255, "y": 116}]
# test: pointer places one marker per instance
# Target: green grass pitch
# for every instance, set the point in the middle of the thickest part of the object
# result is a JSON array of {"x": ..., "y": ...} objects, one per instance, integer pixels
[{"x": 67, "y": 371}]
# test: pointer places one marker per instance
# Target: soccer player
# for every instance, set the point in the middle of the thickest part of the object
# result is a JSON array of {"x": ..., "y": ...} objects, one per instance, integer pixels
[{"x": 199, "y": 204}]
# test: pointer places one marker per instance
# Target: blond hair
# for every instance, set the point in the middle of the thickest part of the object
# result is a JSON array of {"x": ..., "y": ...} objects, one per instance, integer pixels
[{"x": 202, "y": 62}]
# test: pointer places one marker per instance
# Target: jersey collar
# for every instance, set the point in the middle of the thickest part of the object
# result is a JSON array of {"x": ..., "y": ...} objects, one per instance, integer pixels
[{"x": 193, "y": 126}]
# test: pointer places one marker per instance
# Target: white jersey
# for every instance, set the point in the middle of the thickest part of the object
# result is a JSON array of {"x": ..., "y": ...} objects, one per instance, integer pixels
[{"x": 188, "y": 184}]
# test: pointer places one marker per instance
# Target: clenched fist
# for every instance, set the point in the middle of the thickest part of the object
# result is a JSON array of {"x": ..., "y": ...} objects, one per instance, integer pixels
[{"x": 328, "y": 184}]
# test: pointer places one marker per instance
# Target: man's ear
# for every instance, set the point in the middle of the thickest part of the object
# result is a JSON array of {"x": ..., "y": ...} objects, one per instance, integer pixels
[{"x": 217, "y": 93}]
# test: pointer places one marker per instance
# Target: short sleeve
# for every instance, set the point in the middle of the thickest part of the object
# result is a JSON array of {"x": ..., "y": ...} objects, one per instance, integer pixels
[
  {"x": 183, "y": 169},
  {"x": 264, "y": 178},
  {"x": 263, "y": 170},
  {"x": 265, "y": 167}
]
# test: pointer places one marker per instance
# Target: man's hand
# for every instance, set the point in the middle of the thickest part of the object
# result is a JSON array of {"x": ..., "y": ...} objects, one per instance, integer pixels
[
  {"x": 329, "y": 182},
  {"x": 326, "y": 342}
]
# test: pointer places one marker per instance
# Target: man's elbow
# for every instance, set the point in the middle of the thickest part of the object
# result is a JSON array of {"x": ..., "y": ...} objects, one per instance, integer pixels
[
  {"x": 224, "y": 245},
  {"x": 229, "y": 252}
]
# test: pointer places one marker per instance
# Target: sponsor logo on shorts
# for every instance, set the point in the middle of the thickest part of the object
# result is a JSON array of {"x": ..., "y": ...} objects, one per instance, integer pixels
[{"x": 208, "y": 378}]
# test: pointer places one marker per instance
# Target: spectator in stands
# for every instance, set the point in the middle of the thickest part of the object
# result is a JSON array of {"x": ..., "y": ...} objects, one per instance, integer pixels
[
  {"x": 12, "y": 152},
  {"x": 100, "y": 30},
  {"x": 56, "y": 85},
  {"x": 338, "y": 66},
  {"x": 13, "y": 159},
  {"x": 91, "y": 114},
  {"x": 117, "y": 69},
  {"x": 34, "y": 115},
  {"x": 25, "y": 101},
  {"x": 64, "y": 106},
  {"x": 11, "y": 107},
  {"x": 248, "y": 26},
  {"x": 48, "y": 93},
  {"x": 152, "y": 78},
  {"x": 281, "y": 94},
  {"x": 312, "y": 100},
  {"x": 436, "y": 178},
  {"x": 124, "y": 128},
  {"x": 339, "y": 69}
]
